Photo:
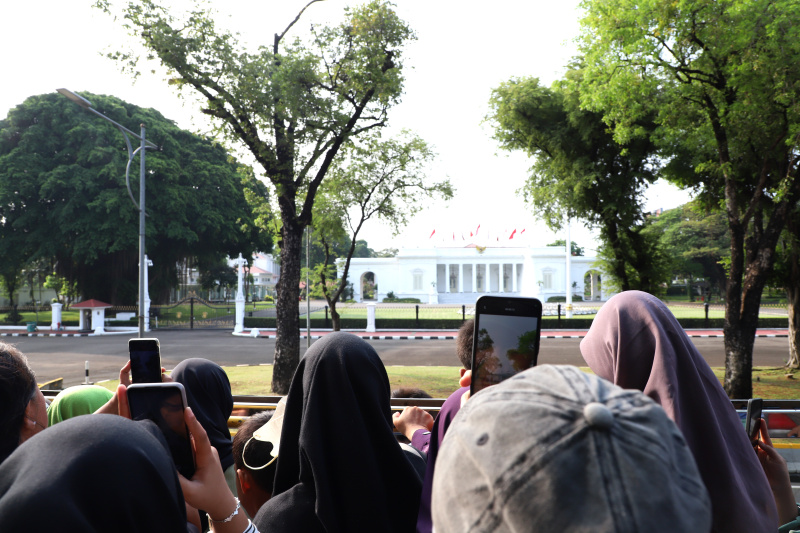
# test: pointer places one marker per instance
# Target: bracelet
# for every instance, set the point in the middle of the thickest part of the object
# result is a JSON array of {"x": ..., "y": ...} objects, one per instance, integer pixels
[{"x": 234, "y": 513}]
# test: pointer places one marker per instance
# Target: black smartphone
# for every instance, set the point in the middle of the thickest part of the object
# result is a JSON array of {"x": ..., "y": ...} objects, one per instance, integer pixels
[
  {"x": 145, "y": 360},
  {"x": 752, "y": 422},
  {"x": 164, "y": 403},
  {"x": 505, "y": 340}
]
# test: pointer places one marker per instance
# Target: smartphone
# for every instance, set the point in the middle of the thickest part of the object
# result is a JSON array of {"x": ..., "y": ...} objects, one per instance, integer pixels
[
  {"x": 164, "y": 403},
  {"x": 145, "y": 360},
  {"x": 506, "y": 338},
  {"x": 752, "y": 422}
]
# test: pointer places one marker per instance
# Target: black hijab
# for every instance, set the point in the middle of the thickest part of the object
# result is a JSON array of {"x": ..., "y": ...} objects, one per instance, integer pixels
[
  {"x": 90, "y": 474},
  {"x": 338, "y": 457},
  {"x": 208, "y": 392}
]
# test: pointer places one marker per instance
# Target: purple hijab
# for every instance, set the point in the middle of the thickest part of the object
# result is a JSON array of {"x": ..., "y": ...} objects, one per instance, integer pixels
[{"x": 636, "y": 343}]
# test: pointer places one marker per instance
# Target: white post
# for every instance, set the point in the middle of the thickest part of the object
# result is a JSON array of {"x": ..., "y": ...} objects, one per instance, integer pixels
[
  {"x": 433, "y": 295},
  {"x": 460, "y": 278},
  {"x": 370, "y": 317},
  {"x": 568, "y": 276},
  {"x": 148, "y": 263},
  {"x": 239, "y": 326},
  {"x": 56, "y": 323}
]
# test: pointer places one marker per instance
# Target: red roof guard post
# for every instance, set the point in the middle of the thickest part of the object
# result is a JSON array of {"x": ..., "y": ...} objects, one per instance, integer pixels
[{"x": 94, "y": 309}]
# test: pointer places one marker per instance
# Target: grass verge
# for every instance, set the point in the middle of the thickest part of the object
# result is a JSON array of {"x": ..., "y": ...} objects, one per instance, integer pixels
[{"x": 440, "y": 381}]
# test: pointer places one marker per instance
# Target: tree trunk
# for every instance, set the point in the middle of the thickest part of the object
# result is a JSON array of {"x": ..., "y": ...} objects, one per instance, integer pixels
[
  {"x": 287, "y": 309},
  {"x": 617, "y": 249},
  {"x": 743, "y": 301},
  {"x": 335, "y": 318},
  {"x": 739, "y": 339},
  {"x": 793, "y": 297},
  {"x": 793, "y": 292}
]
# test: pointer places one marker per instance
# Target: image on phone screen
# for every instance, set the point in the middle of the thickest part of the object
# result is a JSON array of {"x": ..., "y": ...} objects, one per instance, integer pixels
[
  {"x": 504, "y": 344},
  {"x": 164, "y": 403}
]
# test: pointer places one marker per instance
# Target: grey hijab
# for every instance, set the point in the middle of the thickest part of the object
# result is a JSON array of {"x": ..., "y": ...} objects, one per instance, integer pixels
[{"x": 636, "y": 343}]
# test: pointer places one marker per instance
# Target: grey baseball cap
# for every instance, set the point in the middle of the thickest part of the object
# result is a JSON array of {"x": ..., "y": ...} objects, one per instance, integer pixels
[{"x": 556, "y": 449}]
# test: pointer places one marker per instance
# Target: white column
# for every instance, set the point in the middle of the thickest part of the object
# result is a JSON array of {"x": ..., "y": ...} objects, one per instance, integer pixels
[
  {"x": 514, "y": 277},
  {"x": 371, "y": 317},
  {"x": 501, "y": 268},
  {"x": 239, "y": 326},
  {"x": 461, "y": 277},
  {"x": 56, "y": 310},
  {"x": 487, "y": 283},
  {"x": 148, "y": 264},
  {"x": 568, "y": 275},
  {"x": 474, "y": 277}
]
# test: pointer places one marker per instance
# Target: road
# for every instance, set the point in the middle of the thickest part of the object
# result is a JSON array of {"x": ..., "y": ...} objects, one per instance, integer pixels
[{"x": 54, "y": 357}]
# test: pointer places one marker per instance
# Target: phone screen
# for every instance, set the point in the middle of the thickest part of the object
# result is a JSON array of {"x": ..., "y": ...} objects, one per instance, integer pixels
[
  {"x": 145, "y": 357},
  {"x": 753, "y": 418},
  {"x": 164, "y": 403},
  {"x": 506, "y": 338}
]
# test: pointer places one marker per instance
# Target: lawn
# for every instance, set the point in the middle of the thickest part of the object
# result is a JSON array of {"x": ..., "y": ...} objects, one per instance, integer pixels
[{"x": 440, "y": 381}]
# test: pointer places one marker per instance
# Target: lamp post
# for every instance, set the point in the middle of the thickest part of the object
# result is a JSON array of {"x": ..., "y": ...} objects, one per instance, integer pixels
[{"x": 144, "y": 144}]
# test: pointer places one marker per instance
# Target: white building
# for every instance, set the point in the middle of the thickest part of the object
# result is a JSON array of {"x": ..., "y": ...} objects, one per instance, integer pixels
[
  {"x": 265, "y": 271},
  {"x": 451, "y": 275},
  {"x": 263, "y": 267}
]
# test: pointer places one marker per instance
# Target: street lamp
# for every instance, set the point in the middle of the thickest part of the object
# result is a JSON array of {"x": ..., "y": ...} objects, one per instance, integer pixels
[{"x": 86, "y": 104}]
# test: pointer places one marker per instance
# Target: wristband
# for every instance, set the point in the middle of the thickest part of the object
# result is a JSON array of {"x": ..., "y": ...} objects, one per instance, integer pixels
[{"x": 230, "y": 517}]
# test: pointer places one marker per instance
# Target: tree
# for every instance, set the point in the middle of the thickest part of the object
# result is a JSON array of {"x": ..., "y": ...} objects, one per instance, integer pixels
[
  {"x": 787, "y": 275},
  {"x": 722, "y": 80},
  {"x": 292, "y": 105},
  {"x": 574, "y": 248},
  {"x": 63, "y": 197},
  {"x": 580, "y": 171},
  {"x": 377, "y": 179},
  {"x": 217, "y": 274},
  {"x": 65, "y": 292},
  {"x": 697, "y": 241}
]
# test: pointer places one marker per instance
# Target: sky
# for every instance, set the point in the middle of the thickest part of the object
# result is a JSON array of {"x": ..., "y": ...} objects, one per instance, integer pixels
[{"x": 462, "y": 51}]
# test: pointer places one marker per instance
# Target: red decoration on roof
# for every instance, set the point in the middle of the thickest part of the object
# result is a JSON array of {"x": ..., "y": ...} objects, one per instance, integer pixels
[{"x": 91, "y": 304}]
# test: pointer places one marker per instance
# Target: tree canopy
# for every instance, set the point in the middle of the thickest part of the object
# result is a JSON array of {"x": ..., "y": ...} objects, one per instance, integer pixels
[
  {"x": 377, "y": 179},
  {"x": 696, "y": 241},
  {"x": 63, "y": 197},
  {"x": 580, "y": 171},
  {"x": 292, "y": 104},
  {"x": 574, "y": 248},
  {"x": 721, "y": 81}
]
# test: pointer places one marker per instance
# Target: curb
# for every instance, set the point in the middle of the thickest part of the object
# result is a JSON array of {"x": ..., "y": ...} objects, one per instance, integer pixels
[{"x": 48, "y": 335}]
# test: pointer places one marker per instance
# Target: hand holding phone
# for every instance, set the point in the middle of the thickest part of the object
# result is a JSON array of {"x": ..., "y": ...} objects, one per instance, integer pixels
[
  {"x": 752, "y": 422},
  {"x": 505, "y": 340},
  {"x": 145, "y": 355},
  {"x": 164, "y": 404}
]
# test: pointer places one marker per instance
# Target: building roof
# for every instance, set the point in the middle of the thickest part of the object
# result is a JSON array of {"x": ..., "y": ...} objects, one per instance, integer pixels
[
  {"x": 91, "y": 304},
  {"x": 256, "y": 270}
]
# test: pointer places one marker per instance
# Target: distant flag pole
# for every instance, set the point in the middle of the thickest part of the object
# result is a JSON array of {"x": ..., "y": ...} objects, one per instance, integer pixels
[{"x": 434, "y": 231}]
